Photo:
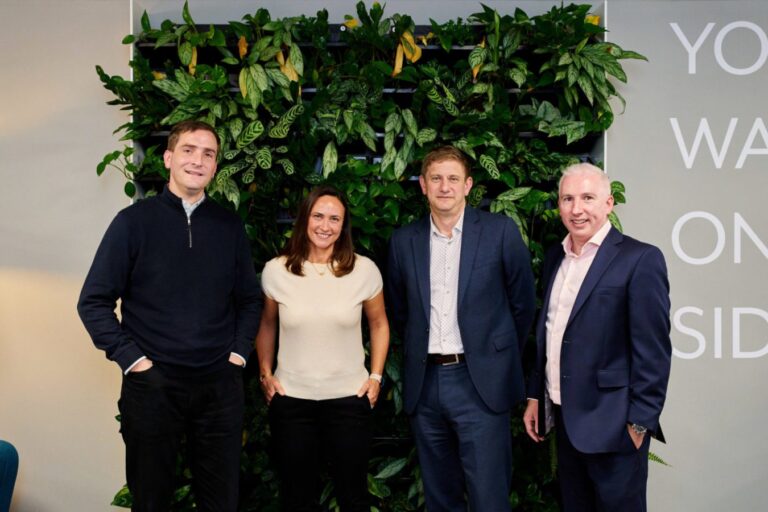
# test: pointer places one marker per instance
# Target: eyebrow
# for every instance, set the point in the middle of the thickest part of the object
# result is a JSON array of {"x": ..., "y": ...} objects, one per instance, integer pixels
[{"x": 192, "y": 146}]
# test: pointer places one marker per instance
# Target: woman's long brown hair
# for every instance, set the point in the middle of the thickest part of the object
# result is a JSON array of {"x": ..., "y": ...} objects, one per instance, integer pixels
[{"x": 296, "y": 250}]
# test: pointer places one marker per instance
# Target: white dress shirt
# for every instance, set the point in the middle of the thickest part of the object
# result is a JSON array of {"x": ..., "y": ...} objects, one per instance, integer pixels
[{"x": 444, "y": 257}]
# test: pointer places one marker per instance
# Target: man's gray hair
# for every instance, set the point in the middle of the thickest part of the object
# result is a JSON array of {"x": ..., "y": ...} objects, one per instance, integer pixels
[{"x": 585, "y": 168}]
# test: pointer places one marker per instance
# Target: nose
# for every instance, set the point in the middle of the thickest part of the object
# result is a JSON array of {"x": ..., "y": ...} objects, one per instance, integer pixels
[
  {"x": 197, "y": 157},
  {"x": 577, "y": 206}
]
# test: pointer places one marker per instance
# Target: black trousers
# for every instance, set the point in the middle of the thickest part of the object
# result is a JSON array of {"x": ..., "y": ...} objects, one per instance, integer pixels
[
  {"x": 157, "y": 411},
  {"x": 307, "y": 435},
  {"x": 601, "y": 482}
]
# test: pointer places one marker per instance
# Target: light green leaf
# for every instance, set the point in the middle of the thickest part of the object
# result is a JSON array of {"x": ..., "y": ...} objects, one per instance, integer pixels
[
  {"x": 410, "y": 122},
  {"x": 330, "y": 159},
  {"x": 185, "y": 53},
  {"x": 251, "y": 133}
]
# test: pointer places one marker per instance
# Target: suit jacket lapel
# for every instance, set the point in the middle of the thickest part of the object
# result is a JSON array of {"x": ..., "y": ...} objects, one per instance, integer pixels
[
  {"x": 420, "y": 245},
  {"x": 470, "y": 239},
  {"x": 550, "y": 273},
  {"x": 605, "y": 254}
]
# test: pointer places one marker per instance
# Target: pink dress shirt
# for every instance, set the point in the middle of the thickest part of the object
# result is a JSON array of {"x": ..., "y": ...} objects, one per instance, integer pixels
[{"x": 568, "y": 280}]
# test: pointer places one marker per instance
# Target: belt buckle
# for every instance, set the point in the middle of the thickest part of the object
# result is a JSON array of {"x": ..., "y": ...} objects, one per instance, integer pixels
[{"x": 455, "y": 360}]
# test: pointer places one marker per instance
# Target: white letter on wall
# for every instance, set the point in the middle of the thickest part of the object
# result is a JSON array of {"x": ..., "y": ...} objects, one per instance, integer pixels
[
  {"x": 739, "y": 225},
  {"x": 693, "y": 333},
  {"x": 687, "y": 45},
  {"x": 718, "y": 246},
  {"x": 703, "y": 131},
  {"x": 737, "y": 352},
  {"x": 757, "y": 127},
  {"x": 719, "y": 48}
]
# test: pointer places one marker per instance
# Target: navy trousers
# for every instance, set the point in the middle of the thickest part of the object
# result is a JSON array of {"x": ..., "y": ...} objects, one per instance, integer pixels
[
  {"x": 157, "y": 411},
  {"x": 464, "y": 448},
  {"x": 601, "y": 482}
]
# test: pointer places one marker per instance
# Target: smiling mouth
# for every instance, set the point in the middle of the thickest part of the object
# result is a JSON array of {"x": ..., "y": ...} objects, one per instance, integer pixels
[{"x": 194, "y": 173}]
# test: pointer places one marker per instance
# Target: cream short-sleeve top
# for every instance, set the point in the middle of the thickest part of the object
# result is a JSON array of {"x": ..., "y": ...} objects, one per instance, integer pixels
[{"x": 321, "y": 353}]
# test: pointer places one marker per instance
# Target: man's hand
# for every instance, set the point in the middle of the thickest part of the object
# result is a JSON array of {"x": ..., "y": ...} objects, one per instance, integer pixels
[
  {"x": 142, "y": 366},
  {"x": 531, "y": 420},
  {"x": 637, "y": 439}
]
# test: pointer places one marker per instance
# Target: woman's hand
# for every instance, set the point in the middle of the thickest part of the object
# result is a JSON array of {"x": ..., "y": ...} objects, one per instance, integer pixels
[
  {"x": 270, "y": 386},
  {"x": 370, "y": 388}
]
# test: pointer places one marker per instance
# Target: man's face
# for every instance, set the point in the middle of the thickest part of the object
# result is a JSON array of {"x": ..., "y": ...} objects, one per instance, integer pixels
[
  {"x": 584, "y": 206},
  {"x": 446, "y": 186},
  {"x": 192, "y": 164}
]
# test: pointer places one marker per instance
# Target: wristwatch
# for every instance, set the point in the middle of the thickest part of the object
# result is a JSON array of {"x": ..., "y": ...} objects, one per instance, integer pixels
[{"x": 639, "y": 429}]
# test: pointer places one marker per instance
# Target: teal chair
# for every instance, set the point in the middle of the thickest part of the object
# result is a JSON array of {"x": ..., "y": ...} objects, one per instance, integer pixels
[{"x": 9, "y": 466}]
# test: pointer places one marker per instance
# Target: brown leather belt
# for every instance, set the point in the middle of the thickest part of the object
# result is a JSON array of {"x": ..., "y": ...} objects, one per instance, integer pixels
[{"x": 445, "y": 359}]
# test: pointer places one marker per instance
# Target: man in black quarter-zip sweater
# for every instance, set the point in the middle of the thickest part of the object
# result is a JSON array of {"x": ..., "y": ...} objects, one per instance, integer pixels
[{"x": 190, "y": 306}]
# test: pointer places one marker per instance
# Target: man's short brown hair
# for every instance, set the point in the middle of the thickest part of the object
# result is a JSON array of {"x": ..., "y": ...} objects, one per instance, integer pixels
[
  {"x": 190, "y": 125},
  {"x": 443, "y": 153}
]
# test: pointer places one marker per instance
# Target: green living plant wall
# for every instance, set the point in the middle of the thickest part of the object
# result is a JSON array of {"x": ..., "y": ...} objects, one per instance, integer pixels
[{"x": 298, "y": 101}]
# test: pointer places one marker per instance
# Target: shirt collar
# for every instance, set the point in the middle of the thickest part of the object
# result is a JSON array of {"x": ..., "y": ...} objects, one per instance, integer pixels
[
  {"x": 190, "y": 207},
  {"x": 458, "y": 228},
  {"x": 596, "y": 240}
]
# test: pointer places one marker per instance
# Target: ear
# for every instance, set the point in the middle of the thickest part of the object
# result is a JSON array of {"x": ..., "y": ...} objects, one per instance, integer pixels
[
  {"x": 468, "y": 185},
  {"x": 423, "y": 184},
  {"x": 610, "y": 203},
  {"x": 167, "y": 158}
]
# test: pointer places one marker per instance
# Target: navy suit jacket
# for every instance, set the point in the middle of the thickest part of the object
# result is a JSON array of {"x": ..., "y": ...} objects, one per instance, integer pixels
[
  {"x": 616, "y": 350},
  {"x": 496, "y": 304}
]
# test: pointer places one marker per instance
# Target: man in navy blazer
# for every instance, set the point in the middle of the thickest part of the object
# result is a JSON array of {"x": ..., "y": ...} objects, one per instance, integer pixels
[
  {"x": 461, "y": 294},
  {"x": 603, "y": 351}
]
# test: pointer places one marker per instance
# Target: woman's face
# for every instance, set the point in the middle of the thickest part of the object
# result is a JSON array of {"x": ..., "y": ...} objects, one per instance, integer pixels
[{"x": 325, "y": 222}]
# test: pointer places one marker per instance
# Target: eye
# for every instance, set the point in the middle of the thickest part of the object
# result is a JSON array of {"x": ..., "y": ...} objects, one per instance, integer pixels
[
  {"x": 435, "y": 179},
  {"x": 454, "y": 179}
]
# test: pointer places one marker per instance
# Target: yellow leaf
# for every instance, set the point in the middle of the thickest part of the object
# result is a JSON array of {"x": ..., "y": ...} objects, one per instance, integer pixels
[
  {"x": 280, "y": 58},
  {"x": 351, "y": 23},
  {"x": 242, "y": 46},
  {"x": 241, "y": 82},
  {"x": 594, "y": 19},
  {"x": 425, "y": 39},
  {"x": 398, "y": 60},
  {"x": 411, "y": 49},
  {"x": 159, "y": 75},
  {"x": 289, "y": 71},
  {"x": 193, "y": 61}
]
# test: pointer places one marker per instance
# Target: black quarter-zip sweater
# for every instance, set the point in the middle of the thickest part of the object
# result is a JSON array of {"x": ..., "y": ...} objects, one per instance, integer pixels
[{"x": 189, "y": 293}]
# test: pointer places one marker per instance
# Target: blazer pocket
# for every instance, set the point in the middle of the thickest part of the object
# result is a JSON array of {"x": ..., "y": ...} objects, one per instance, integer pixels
[
  {"x": 504, "y": 341},
  {"x": 618, "y": 378}
]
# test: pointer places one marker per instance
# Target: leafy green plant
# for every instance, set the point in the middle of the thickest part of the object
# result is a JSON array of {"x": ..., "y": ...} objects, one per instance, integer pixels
[{"x": 297, "y": 102}]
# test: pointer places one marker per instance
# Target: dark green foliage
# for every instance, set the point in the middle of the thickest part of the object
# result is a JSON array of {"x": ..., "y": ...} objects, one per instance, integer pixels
[{"x": 297, "y": 103}]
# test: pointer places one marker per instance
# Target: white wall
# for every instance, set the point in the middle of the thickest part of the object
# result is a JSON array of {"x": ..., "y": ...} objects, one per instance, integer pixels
[{"x": 57, "y": 393}]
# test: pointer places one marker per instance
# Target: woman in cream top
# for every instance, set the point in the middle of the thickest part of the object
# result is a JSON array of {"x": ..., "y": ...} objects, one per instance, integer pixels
[{"x": 321, "y": 395}]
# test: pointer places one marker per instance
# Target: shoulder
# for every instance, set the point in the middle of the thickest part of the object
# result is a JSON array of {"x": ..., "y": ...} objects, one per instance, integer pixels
[
  {"x": 629, "y": 244},
  {"x": 220, "y": 213},
  {"x": 411, "y": 229},
  {"x": 489, "y": 219},
  {"x": 276, "y": 264},
  {"x": 365, "y": 264}
]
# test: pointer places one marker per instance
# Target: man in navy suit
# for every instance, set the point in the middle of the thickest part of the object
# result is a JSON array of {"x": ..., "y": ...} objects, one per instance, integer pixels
[
  {"x": 603, "y": 351},
  {"x": 461, "y": 294}
]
